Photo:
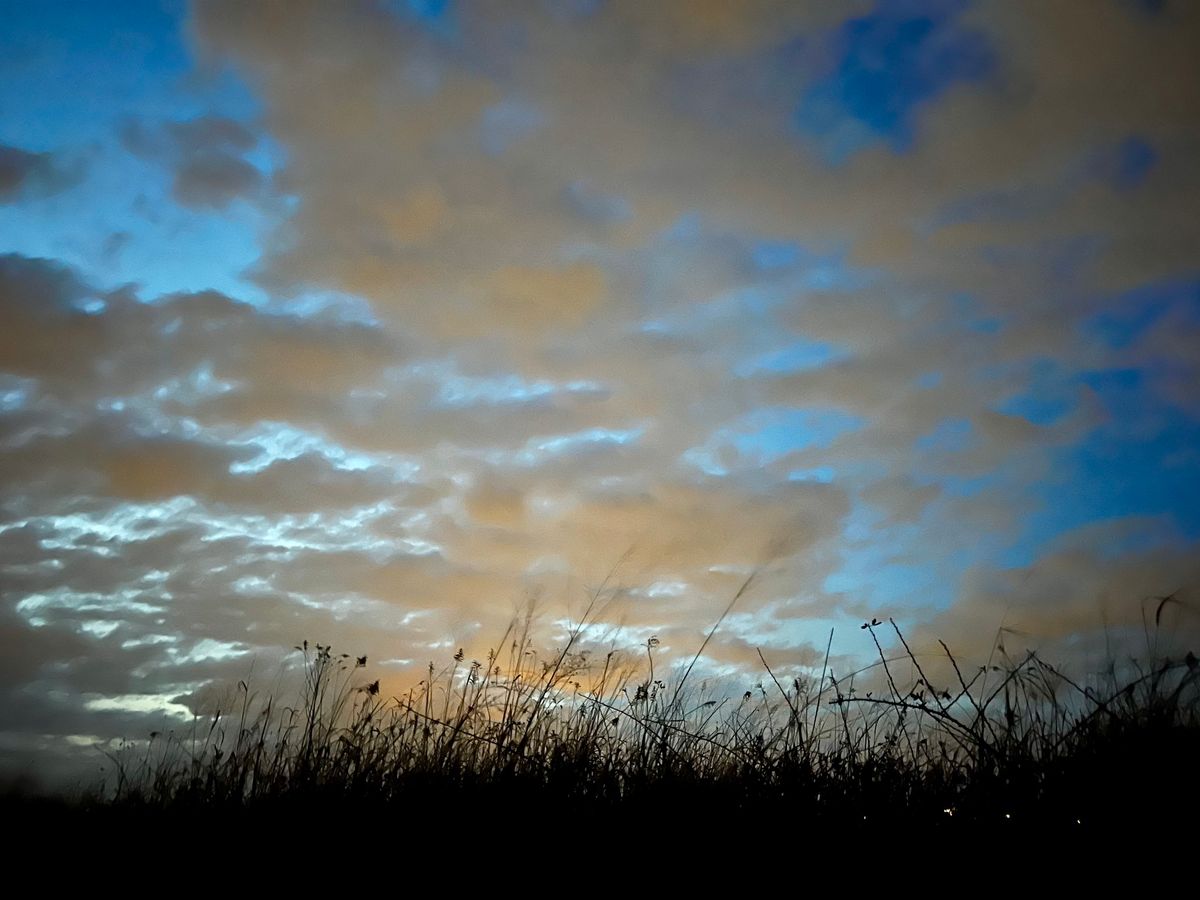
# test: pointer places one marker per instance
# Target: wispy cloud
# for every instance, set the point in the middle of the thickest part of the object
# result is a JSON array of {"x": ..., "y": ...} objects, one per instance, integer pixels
[{"x": 367, "y": 322}]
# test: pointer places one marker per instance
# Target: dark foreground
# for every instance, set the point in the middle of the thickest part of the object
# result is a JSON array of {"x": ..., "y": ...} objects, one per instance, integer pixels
[{"x": 501, "y": 765}]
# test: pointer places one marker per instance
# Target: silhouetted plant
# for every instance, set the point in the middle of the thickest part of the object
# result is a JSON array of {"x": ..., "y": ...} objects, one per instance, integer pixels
[{"x": 1021, "y": 740}]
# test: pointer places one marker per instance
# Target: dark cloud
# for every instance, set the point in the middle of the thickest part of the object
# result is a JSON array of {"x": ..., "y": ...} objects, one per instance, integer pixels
[
  {"x": 211, "y": 133},
  {"x": 25, "y": 175},
  {"x": 206, "y": 155},
  {"x": 215, "y": 180}
]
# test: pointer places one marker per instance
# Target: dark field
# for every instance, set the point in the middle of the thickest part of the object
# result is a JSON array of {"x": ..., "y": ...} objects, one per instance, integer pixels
[{"x": 581, "y": 751}]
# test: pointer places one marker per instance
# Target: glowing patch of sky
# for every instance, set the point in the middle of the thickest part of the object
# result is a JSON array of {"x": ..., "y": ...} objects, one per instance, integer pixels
[
  {"x": 457, "y": 391},
  {"x": 539, "y": 449},
  {"x": 140, "y": 703},
  {"x": 206, "y": 650},
  {"x": 278, "y": 441}
]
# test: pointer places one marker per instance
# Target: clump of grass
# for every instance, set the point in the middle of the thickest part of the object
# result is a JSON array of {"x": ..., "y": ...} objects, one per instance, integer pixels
[{"x": 579, "y": 734}]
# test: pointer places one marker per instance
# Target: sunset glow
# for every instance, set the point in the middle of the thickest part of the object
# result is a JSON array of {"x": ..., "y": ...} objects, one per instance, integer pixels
[{"x": 374, "y": 323}]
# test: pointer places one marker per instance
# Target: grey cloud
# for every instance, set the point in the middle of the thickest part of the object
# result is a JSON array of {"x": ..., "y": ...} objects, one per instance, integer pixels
[
  {"x": 137, "y": 345},
  {"x": 26, "y": 175},
  {"x": 215, "y": 180},
  {"x": 206, "y": 155},
  {"x": 1076, "y": 595},
  {"x": 210, "y": 133}
]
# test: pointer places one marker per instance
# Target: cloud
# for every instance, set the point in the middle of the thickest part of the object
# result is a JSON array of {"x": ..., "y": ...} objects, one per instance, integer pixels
[
  {"x": 25, "y": 175},
  {"x": 206, "y": 155},
  {"x": 215, "y": 180},
  {"x": 196, "y": 518},
  {"x": 1092, "y": 598},
  {"x": 61, "y": 330},
  {"x": 890, "y": 304}
]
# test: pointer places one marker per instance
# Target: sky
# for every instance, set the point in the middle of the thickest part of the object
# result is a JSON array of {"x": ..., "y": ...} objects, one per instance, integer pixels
[{"x": 371, "y": 323}]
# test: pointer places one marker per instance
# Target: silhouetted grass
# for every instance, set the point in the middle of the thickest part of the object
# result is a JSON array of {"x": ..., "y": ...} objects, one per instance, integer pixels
[{"x": 514, "y": 742}]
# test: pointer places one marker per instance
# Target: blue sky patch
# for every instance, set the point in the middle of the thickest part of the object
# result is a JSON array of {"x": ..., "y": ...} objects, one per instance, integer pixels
[{"x": 889, "y": 63}]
